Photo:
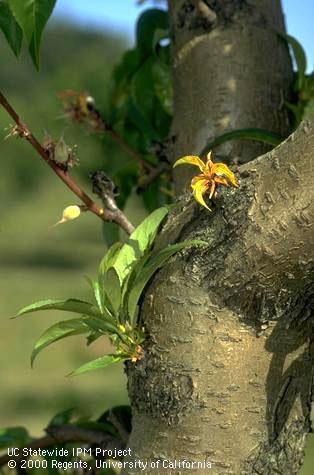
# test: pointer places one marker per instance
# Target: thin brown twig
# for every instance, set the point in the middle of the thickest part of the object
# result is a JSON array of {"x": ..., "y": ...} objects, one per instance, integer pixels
[
  {"x": 120, "y": 141},
  {"x": 67, "y": 433},
  {"x": 83, "y": 109},
  {"x": 104, "y": 214},
  {"x": 146, "y": 180},
  {"x": 105, "y": 127}
]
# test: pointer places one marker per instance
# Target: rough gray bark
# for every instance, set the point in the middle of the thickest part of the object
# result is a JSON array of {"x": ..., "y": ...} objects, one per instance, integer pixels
[
  {"x": 227, "y": 376},
  {"x": 227, "y": 372}
]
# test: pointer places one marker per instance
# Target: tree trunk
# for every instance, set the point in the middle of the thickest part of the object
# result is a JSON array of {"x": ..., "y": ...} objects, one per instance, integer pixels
[
  {"x": 227, "y": 374},
  {"x": 229, "y": 74}
]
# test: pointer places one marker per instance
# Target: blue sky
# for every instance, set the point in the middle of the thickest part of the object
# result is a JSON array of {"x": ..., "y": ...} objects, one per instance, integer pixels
[{"x": 120, "y": 15}]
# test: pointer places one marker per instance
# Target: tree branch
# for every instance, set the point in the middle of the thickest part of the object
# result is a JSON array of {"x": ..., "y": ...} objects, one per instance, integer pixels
[
  {"x": 154, "y": 173},
  {"x": 83, "y": 109},
  {"x": 69, "y": 433},
  {"x": 23, "y": 131},
  {"x": 105, "y": 189}
]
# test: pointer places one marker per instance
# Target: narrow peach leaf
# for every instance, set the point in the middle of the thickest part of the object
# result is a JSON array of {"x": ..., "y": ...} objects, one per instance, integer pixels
[{"x": 190, "y": 160}]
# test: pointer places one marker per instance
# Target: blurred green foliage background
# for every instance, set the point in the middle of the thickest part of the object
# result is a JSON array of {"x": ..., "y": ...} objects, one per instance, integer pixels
[{"x": 38, "y": 261}]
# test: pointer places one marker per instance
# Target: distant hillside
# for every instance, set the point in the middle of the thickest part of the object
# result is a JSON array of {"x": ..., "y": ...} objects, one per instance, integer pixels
[{"x": 71, "y": 59}]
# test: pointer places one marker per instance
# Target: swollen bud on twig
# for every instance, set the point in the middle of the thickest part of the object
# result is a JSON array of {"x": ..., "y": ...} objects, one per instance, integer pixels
[
  {"x": 69, "y": 213},
  {"x": 59, "y": 152}
]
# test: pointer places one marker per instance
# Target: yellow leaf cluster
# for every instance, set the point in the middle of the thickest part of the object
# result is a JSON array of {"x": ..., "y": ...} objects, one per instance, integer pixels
[{"x": 212, "y": 175}]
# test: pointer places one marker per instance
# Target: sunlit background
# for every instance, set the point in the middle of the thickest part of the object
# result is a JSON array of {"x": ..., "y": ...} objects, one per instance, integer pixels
[
  {"x": 120, "y": 17},
  {"x": 81, "y": 46}
]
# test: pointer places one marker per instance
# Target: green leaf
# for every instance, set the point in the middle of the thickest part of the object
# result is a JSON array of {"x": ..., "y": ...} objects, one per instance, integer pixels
[
  {"x": 98, "y": 292},
  {"x": 105, "y": 427},
  {"x": 309, "y": 109},
  {"x": 127, "y": 67},
  {"x": 32, "y": 16},
  {"x": 110, "y": 232},
  {"x": 137, "y": 118},
  {"x": 260, "y": 135},
  {"x": 10, "y": 28},
  {"x": 153, "y": 197},
  {"x": 142, "y": 91},
  {"x": 126, "y": 177},
  {"x": 63, "y": 417},
  {"x": 68, "y": 305},
  {"x": 163, "y": 85},
  {"x": 149, "y": 22},
  {"x": 108, "y": 279},
  {"x": 125, "y": 259},
  {"x": 77, "y": 326},
  {"x": 110, "y": 257},
  {"x": 93, "y": 336},
  {"x": 299, "y": 56},
  {"x": 13, "y": 437},
  {"x": 151, "y": 92},
  {"x": 121, "y": 414},
  {"x": 140, "y": 241},
  {"x": 103, "y": 325},
  {"x": 155, "y": 262},
  {"x": 58, "y": 331},
  {"x": 159, "y": 34},
  {"x": 98, "y": 363},
  {"x": 129, "y": 281},
  {"x": 144, "y": 235},
  {"x": 104, "y": 306},
  {"x": 297, "y": 111},
  {"x": 111, "y": 290}
]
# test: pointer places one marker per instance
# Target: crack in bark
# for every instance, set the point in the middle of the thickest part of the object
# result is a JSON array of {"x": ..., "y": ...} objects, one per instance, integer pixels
[{"x": 271, "y": 459}]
